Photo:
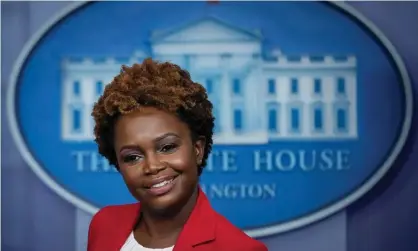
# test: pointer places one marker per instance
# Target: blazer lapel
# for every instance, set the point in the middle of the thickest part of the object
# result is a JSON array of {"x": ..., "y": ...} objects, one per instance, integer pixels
[
  {"x": 124, "y": 225},
  {"x": 200, "y": 227}
]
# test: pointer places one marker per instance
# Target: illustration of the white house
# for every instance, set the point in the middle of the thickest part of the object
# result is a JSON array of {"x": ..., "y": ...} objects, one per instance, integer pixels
[{"x": 257, "y": 97}]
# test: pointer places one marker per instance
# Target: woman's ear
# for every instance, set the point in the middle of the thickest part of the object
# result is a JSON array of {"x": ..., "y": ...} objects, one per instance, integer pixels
[{"x": 200, "y": 149}]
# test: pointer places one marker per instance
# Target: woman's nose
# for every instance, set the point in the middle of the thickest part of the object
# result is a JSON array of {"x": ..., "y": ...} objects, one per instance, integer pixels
[{"x": 154, "y": 164}]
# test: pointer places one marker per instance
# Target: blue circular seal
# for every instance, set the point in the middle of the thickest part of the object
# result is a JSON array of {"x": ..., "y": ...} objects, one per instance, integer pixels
[{"x": 313, "y": 104}]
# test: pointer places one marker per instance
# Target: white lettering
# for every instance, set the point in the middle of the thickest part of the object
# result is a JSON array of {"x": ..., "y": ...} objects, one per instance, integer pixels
[
  {"x": 301, "y": 160},
  {"x": 343, "y": 160},
  {"x": 228, "y": 161},
  {"x": 326, "y": 157},
  {"x": 263, "y": 160},
  {"x": 303, "y": 165},
  {"x": 283, "y": 157},
  {"x": 90, "y": 161},
  {"x": 224, "y": 161},
  {"x": 240, "y": 191}
]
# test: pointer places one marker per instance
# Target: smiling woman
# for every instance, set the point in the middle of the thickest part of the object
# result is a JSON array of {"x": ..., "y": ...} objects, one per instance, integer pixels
[{"x": 155, "y": 125}]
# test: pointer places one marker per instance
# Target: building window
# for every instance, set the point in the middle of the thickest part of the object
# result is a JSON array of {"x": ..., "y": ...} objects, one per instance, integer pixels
[
  {"x": 272, "y": 120},
  {"x": 238, "y": 119},
  {"x": 295, "y": 119},
  {"x": 318, "y": 118},
  {"x": 236, "y": 86},
  {"x": 273, "y": 115},
  {"x": 99, "y": 88},
  {"x": 76, "y": 88},
  {"x": 341, "y": 119},
  {"x": 271, "y": 86},
  {"x": 341, "y": 86},
  {"x": 76, "y": 119},
  {"x": 209, "y": 86},
  {"x": 294, "y": 86},
  {"x": 317, "y": 86}
]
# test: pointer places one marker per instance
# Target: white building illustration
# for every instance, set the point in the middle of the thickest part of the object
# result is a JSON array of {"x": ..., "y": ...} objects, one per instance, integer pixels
[{"x": 257, "y": 98}]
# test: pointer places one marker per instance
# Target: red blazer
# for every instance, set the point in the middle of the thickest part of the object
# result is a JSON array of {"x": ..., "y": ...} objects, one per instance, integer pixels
[{"x": 205, "y": 230}]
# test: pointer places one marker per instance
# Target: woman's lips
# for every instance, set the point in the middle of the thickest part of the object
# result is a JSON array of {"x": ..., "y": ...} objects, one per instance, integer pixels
[{"x": 162, "y": 186}]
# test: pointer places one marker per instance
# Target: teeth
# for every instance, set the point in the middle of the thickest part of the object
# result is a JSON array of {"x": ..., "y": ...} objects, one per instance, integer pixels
[{"x": 165, "y": 182}]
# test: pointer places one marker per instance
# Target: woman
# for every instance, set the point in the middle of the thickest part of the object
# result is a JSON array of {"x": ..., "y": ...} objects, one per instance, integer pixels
[{"x": 155, "y": 125}]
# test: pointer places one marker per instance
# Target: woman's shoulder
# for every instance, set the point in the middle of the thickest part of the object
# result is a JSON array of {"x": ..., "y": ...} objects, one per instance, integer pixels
[
  {"x": 111, "y": 225},
  {"x": 221, "y": 230},
  {"x": 116, "y": 210},
  {"x": 113, "y": 214}
]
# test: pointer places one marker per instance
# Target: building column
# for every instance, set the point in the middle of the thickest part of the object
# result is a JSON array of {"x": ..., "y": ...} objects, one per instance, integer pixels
[{"x": 330, "y": 118}]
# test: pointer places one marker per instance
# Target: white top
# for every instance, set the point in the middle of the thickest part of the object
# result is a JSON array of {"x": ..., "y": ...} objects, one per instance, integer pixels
[{"x": 132, "y": 245}]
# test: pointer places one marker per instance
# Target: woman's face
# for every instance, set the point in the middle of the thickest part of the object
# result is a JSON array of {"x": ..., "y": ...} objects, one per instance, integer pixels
[{"x": 157, "y": 158}]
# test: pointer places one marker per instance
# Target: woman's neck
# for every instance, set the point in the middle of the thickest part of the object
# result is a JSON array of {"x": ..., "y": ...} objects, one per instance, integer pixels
[{"x": 162, "y": 228}]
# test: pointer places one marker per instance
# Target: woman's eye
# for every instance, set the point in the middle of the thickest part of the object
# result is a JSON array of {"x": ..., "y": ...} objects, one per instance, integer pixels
[
  {"x": 168, "y": 148},
  {"x": 132, "y": 158}
]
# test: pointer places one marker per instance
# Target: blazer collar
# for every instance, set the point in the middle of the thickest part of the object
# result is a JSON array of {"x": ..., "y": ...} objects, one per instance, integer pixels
[
  {"x": 199, "y": 228},
  {"x": 124, "y": 225}
]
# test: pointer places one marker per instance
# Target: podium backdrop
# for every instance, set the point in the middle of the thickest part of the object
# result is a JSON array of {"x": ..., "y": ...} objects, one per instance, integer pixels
[{"x": 315, "y": 136}]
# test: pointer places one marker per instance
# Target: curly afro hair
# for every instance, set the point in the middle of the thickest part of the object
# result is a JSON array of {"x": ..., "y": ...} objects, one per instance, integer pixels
[{"x": 162, "y": 85}]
